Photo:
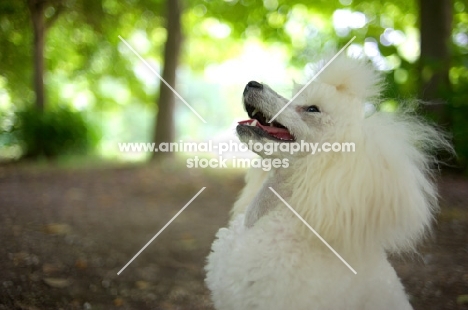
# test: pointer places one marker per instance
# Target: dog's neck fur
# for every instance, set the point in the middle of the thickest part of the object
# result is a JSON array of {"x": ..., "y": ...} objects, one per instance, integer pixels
[{"x": 265, "y": 200}]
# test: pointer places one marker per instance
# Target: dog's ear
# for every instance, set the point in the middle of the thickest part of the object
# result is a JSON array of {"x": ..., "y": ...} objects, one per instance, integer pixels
[
  {"x": 356, "y": 77},
  {"x": 296, "y": 86}
]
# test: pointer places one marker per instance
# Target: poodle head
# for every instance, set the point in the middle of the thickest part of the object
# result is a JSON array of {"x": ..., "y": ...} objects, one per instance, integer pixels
[
  {"x": 383, "y": 193},
  {"x": 327, "y": 109}
]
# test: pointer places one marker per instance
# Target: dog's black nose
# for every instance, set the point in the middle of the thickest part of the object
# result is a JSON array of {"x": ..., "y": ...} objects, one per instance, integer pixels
[{"x": 252, "y": 84}]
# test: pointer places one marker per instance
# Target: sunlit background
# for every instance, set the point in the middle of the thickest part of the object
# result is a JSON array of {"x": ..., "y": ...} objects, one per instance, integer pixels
[{"x": 225, "y": 45}]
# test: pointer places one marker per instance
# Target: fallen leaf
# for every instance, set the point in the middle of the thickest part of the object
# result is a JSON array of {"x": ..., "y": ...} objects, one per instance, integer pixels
[
  {"x": 81, "y": 263},
  {"x": 57, "y": 282},
  {"x": 50, "y": 268},
  {"x": 118, "y": 302},
  {"x": 142, "y": 285},
  {"x": 57, "y": 229}
]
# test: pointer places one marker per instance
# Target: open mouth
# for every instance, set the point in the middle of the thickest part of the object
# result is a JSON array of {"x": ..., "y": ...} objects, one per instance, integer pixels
[{"x": 273, "y": 130}]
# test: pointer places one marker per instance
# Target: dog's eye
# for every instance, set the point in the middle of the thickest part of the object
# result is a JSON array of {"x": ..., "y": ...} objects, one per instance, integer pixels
[{"x": 313, "y": 109}]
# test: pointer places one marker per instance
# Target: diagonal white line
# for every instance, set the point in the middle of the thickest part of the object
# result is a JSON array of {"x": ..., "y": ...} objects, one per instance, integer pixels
[
  {"x": 308, "y": 226},
  {"x": 162, "y": 229},
  {"x": 312, "y": 79},
  {"x": 160, "y": 77}
]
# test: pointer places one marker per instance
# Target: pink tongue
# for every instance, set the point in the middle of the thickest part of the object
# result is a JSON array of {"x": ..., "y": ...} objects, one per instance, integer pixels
[{"x": 279, "y": 133}]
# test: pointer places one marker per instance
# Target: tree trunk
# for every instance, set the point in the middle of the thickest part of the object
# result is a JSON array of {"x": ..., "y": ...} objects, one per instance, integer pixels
[
  {"x": 36, "y": 8},
  {"x": 164, "y": 129},
  {"x": 436, "y": 28}
]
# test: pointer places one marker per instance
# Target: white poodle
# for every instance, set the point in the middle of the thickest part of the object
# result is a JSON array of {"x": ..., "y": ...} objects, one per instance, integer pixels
[{"x": 379, "y": 199}]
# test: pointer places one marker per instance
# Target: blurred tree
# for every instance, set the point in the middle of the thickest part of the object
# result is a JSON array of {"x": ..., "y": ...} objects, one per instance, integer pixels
[
  {"x": 36, "y": 8},
  {"x": 164, "y": 127},
  {"x": 435, "y": 59},
  {"x": 43, "y": 14},
  {"x": 24, "y": 47}
]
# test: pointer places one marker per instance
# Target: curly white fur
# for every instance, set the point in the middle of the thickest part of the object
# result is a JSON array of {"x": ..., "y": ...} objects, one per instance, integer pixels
[{"x": 379, "y": 199}]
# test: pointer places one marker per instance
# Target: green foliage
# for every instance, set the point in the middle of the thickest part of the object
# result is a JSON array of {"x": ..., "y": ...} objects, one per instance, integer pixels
[
  {"x": 457, "y": 97},
  {"x": 458, "y": 108},
  {"x": 15, "y": 49},
  {"x": 51, "y": 133},
  {"x": 88, "y": 66}
]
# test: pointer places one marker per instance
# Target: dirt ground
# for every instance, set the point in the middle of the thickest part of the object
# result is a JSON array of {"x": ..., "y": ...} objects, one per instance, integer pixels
[{"x": 66, "y": 232}]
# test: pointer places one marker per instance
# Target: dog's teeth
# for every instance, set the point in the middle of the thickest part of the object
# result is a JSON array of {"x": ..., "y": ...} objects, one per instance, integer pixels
[
  {"x": 254, "y": 123},
  {"x": 254, "y": 112}
]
